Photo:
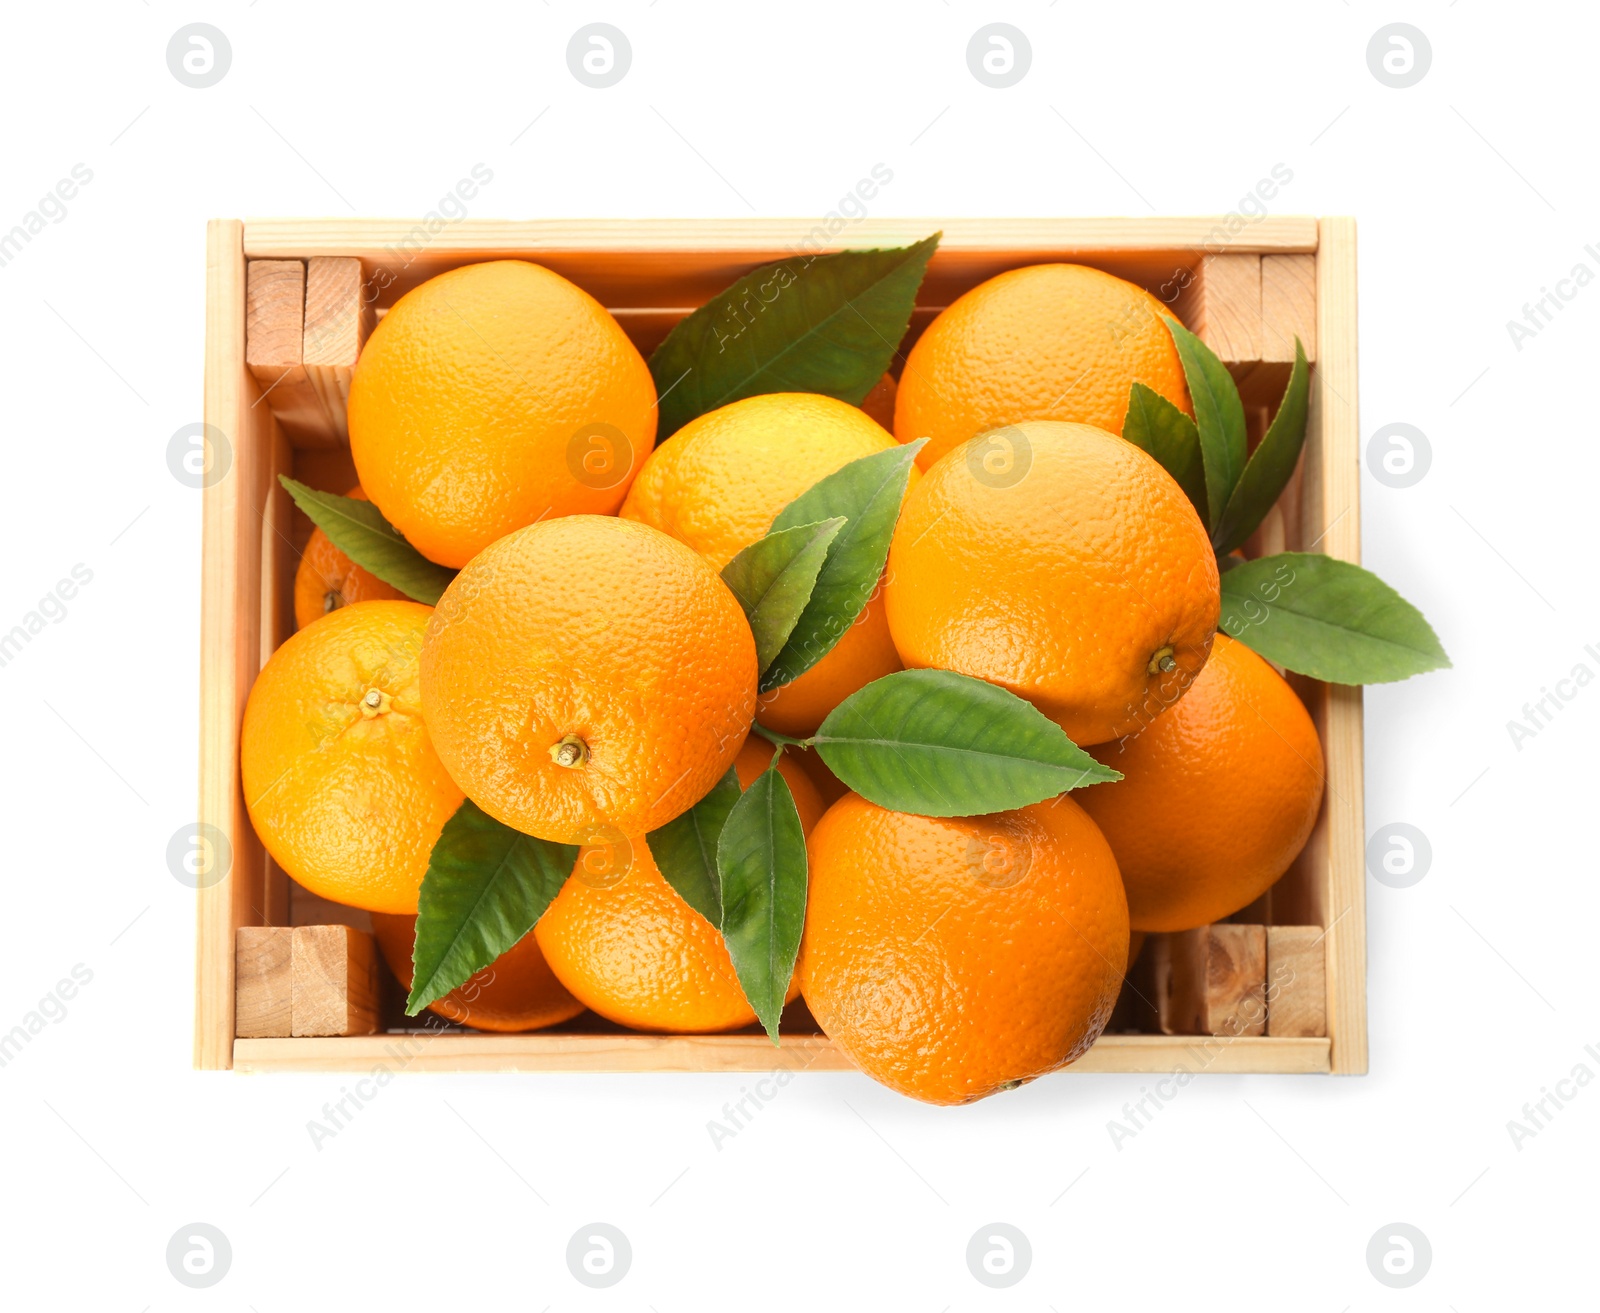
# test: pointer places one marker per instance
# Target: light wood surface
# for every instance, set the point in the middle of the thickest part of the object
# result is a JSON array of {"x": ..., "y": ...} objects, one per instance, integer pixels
[
  {"x": 1212, "y": 981},
  {"x": 274, "y": 344},
  {"x": 1332, "y": 499},
  {"x": 1296, "y": 982},
  {"x": 338, "y": 319},
  {"x": 1222, "y": 306},
  {"x": 653, "y": 263},
  {"x": 753, "y": 1053},
  {"x": 263, "y": 993},
  {"x": 230, "y": 633},
  {"x": 1288, "y": 306},
  {"x": 335, "y": 979}
]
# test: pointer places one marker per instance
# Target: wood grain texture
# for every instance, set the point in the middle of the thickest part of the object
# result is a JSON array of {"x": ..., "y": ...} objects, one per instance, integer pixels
[
  {"x": 339, "y": 316},
  {"x": 230, "y": 633},
  {"x": 1296, "y": 982},
  {"x": 655, "y": 263},
  {"x": 335, "y": 981},
  {"x": 1212, "y": 981},
  {"x": 1222, "y": 306},
  {"x": 1288, "y": 306},
  {"x": 262, "y": 985},
  {"x": 752, "y": 1053},
  {"x": 1332, "y": 513}
]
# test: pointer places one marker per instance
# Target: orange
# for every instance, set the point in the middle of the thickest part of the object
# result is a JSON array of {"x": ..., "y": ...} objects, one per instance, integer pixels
[
  {"x": 493, "y": 396},
  {"x": 954, "y": 958},
  {"x": 587, "y": 679},
  {"x": 517, "y": 991},
  {"x": 626, "y": 944},
  {"x": 756, "y": 756},
  {"x": 1219, "y": 794},
  {"x": 340, "y": 777},
  {"x": 1051, "y": 341},
  {"x": 1078, "y": 576},
  {"x": 328, "y": 579},
  {"x": 879, "y": 403},
  {"x": 718, "y": 485}
]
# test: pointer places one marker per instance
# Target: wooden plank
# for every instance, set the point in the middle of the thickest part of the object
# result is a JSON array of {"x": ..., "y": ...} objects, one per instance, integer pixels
[
  {"x": 262, "y": 986},
  {"x": 339, "y": 317},
  {"x": 656, "y": 263},
  {"x": 1212, "y": 981},
  {"x": 545, "y": 1052},
  {"x": 230, "y": 635},
  {"x": 1332, "y": 512},
  {"x": 1288, "y": 306},
  {"x": 1296, "y": 983},
  {"x": 274, "y": 347},
  {"x": 1222, "y": 306},
  {"x": 335, "y": 976}
]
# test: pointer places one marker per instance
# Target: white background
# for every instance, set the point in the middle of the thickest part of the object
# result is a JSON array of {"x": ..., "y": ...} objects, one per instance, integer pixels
[{"x": 1475, "y": 189}]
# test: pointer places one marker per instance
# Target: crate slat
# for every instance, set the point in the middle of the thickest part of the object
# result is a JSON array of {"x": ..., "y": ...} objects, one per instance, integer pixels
[{"x": 754, "y": 1053}]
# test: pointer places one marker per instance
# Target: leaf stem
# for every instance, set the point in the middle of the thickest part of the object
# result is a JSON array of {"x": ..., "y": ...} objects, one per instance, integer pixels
[{"x": 782, "y": 740}]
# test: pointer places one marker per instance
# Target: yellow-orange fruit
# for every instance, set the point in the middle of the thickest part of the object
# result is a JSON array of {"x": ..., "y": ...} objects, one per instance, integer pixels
[
  {"x": 327, "y": 579},
  {"x": 718, "y": 485},
  {"x": 340, "y": 777},
  {"x": 951, "y": 958},
  {"x": 493, "y": 396},
  {"x": 1219, "y": 794},
  {"x": 588, "y": 678},
  {"x": 515, "y": 992},
  {"x": 756, "y": 756},
  {"x": 1081, "y": 580},
  {"x": 1049, "y": 341}
]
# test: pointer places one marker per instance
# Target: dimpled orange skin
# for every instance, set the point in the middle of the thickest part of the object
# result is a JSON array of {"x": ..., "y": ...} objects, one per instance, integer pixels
[
  {"x": 598, "y": 628},
  {"x": 348, "y": 799},
  {"x": 327, "y": 579},
  {"x": 470, "y": 402},
  {"x": 718, "y": 485},
  {"x": 623, "y": 941},
  {"x": 1050, "y": 341},
  {"x": 1220, "y": 794},
  {"x": 954, "y": 958},
  {"x": 1066, "y": 587},
  {"x": 756, "y": 756},
  {"x": 515, "y": 992}
]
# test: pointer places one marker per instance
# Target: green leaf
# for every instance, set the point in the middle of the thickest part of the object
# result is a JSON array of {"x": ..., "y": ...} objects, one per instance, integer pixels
[
  {"x": 773, "y": 579},
  {"x": 685, "y": 848},
  {"x": 1328, "y": 619},
  {"x": 824, "y": 323},
  {"x": 1218, "y": 415},
  {"x": 485, "y": 887},
  {"x": 940, "y": 744},
  {"x": 867, "y": 493},
  {"x": 1267, "y": 471},
  {"x": 357, "y": 528},
  {"x": 1156, "y": 426},
  {"x": 761, "y": 863}
]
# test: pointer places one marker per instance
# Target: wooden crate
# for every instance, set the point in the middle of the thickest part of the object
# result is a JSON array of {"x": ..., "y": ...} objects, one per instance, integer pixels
[{"x": 1247, "y": 296}]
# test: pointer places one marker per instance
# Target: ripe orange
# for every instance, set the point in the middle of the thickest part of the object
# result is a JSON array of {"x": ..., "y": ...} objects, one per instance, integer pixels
[
  {"x": 622, "y": 940},
  {"x": 718, "y": 485},
  {"x": 587, "y": 679},
  {"x": 954, "y": 958},
  {"x": 493, "y": 396},
  {"x": 756, "y": 756},
  {"x": 1219, "y": 794},
  {"x": 1086, "y": 584},
  {"x": 1050, "y": 341},
  {"x": 517, "y": 991},
  {"x": 879, "y": 403},
  {"x": 340, "y": 777},
  {"x": 328, "y": 579}
]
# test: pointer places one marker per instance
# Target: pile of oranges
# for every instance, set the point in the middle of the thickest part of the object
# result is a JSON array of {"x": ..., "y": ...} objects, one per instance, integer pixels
[{"x": 588, "y": 676}]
